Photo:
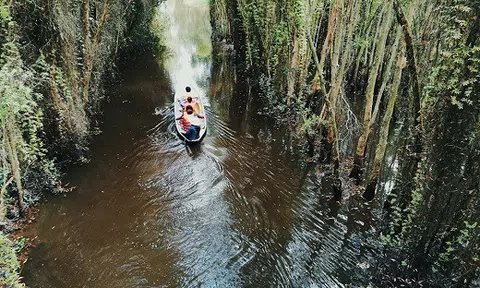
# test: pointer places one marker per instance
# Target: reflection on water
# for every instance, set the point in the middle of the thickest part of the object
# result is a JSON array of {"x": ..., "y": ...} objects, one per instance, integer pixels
[
  {"x": 187, "y": 35},
  {"x": 236, "y": 211}
]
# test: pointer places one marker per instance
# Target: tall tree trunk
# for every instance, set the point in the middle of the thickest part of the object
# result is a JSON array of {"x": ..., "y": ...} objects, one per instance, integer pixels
[
  {"x": 3, "y": 191},
  {"x": 335, "y": 81},
  {"x": 384, "y": 129},
  {"x": 386, "y": 78},
  {"x": 365, "y": 33},
  {"x": 414, "y": 141},
  {"x": 86, "y": 22},
  {"x": 413, "y": 70},
  {"x": 412, "y": 61},
  {"x": 358, "y": 165},
  {"x": 8, "y": 132},
  {"x": 292, "y": 71},
  {"x": 336, "y": 78},
  {"x": 338, "y": 73},
  {"x": 90, "y": 51},
  {"x": 319, "y": 77}
]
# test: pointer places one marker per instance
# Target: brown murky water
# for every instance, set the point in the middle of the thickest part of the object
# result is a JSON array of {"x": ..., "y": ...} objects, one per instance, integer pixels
[{"x": 236, "y": 211}]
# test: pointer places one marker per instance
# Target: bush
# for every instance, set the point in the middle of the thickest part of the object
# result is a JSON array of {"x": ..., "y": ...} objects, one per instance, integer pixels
[{"x": 9, "y": 265}]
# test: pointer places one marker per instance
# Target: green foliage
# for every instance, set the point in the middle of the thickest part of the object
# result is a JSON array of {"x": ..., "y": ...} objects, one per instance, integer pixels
[
  {"x": 456, "y": 250},
  {"x": 9, "y": 265},
  {"x": 4, "y": 11},
  {"x": 457, "y": 72},
  {"x": 278, "y": 43},
  {"x": 157, "y": 27},
  {"x": 268, "y": 27},
  {"x": 21, "y": 119},
  {"x": 310, "y": 125},
  {"x": 438, "y": 224},
  {"x": 45, "y": 96},
  {"x": 297, "y": 13}
]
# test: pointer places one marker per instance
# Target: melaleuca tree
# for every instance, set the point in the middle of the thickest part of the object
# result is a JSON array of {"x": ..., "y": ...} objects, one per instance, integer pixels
[
  {"x": 22, "y": 149},
  {"x": 439, "y": 224}
]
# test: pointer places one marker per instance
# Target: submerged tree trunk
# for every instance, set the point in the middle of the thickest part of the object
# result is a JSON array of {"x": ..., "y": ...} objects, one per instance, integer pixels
[
  {"x": 384, "y": 129},
  {"x": 413, "y": 71},
  {"x": 414, "y": 141},
  {"x": 358, "y": 165},
  {"x": 341, "y": 49},
  {"x": 336, "y": 78}
]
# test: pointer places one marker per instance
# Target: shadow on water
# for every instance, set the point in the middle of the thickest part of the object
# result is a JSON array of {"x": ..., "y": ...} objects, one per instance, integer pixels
[{"x": 235, "y": 211}]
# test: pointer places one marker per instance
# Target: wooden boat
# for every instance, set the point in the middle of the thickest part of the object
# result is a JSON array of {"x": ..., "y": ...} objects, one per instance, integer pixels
[{"x": 198, "y": 108}]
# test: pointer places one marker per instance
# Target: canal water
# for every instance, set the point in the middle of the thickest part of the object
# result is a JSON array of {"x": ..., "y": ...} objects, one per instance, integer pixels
[{"x": 239, "y": 210}]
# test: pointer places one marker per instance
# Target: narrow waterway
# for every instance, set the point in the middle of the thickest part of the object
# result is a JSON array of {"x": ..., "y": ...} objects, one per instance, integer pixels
[{"x": 239, "y": 210}]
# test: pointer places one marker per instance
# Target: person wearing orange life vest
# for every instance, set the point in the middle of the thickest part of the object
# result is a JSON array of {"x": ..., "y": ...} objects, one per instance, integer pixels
[
  {"x": 191, "y": 123},
  {"x": 188, "y": 99}
]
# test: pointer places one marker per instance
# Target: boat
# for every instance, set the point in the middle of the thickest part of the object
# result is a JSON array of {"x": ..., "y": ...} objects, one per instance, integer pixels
[{"x": 199, "y": 109}]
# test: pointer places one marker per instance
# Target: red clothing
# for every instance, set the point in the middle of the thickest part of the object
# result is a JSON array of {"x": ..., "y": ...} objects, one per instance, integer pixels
[{"x": 185, "y": 124}]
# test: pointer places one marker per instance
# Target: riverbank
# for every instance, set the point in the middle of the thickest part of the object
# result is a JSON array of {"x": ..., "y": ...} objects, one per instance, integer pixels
[
  {"x": 56, "y": 60},
  {"x": 356, "y": 79}
]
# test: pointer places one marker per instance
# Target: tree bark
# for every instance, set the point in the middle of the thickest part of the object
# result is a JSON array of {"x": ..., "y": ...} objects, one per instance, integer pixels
[
  {"x": 386, "y": 78},
  {"x": 414, "y": 140},
  {"x": 2, "y": 197},
  {"x": 369, "y": 193},
  {"x": 321, "y": 80},
  {"x": 14, "y": 163},
  {"x": 358, "y": 165},
  {"x": 292, "y": 71},
  {"x": 323, "y": 54},
  {"x": 365, "y": 32},
  {"x": 411, "y": 59},
  {"x": 90, "y": 49},
  {"x": 86, "y": 21}
]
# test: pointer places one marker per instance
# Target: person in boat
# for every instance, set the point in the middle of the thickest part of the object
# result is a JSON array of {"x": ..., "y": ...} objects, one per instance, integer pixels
[
  {"x": 191, "y": 123},
  {"x": 188, "y": 93},
  {"x": 188, "y": 101}
]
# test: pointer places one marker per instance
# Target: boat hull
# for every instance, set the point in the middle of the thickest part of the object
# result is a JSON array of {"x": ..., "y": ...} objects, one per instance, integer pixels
[{"x": 200, "y": 109}]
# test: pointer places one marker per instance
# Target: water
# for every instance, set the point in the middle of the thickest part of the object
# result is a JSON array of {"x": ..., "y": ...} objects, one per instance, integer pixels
[{"x": 237, "y": 211}]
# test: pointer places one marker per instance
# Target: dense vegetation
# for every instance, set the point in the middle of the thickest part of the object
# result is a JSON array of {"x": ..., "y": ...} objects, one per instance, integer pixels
[
  {"x": 414, "y": 68},
  {"x": 374, "y": 75},
  {"x": 55, "y": 56}
]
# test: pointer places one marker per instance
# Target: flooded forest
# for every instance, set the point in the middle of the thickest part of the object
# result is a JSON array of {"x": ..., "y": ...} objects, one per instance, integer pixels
[{"x": 342, "y": 145}]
